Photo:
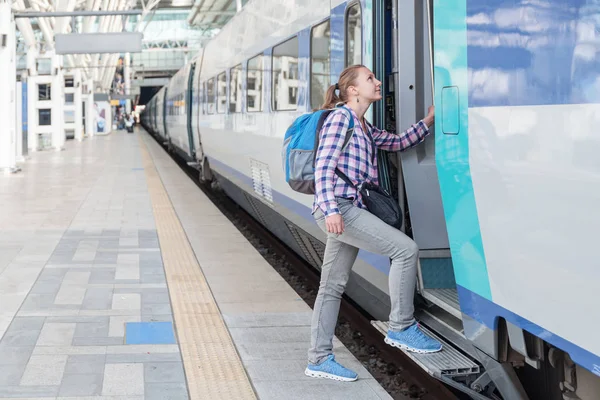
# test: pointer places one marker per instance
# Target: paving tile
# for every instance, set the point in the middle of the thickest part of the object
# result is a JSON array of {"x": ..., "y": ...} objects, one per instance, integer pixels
[
  {"x": 23, "y": 331},
  {"x": 152, "y": 278},
  {"x": 21, "y": 337},
  {"x": 155, "y": 297},
  {"x": 77, "y": 278},
  {"x": 109, "y": 244},
  {"x": 128, "y": 241},
  {"x": 97, "y": 299},
  {"x": 156, "y": 309},
  {"x": 85, "y": 364},
  {"x": 14, "y": 354},
  {"x": 117, "y": 324},
  {"x": 126, "y": 301},
  {"x": 24, "y": 392},
  {"x": 56, "y": 334},
  {"x": 69, "y": 294},
  {"x": 78, "y": 318},
  {"x": 148, "y": 243},
  {"x": 157, "y": 318},
  {"x": 143, "y": 358},
  {"x": 11, "y": 373},
  {"x": 149, "y": 333},
  {"x": 164, "y": 372},
  {"x": 45, "y": 287},
  {"x": 83, "y": 256},
  {"x": 128, "y": 258},
  {"x": 105, "y": 257},
  {"x": 123, "y": 379},
  {"x": 166, "y": 391},
  {"x": 81, "y": 385},
  {"x": 127, "y": 272},
  {"x": 143, "y": 348},
  {"x": 97, "y": 341},
  {"x": 92, "y": 329},
  {"x": 44, "y": 370}
]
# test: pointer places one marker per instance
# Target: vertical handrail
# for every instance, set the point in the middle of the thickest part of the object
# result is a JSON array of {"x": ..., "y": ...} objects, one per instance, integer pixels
[{"x": 430, "y": 37}]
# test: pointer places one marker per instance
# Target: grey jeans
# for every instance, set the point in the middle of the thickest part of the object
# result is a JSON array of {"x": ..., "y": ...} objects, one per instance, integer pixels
[{"x": 362, "y": 230}]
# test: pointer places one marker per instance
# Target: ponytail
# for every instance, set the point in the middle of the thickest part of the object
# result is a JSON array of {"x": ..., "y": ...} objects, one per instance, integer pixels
[
  {"x": 347, "y": 78},
  {"x": 331, "y": 98}
]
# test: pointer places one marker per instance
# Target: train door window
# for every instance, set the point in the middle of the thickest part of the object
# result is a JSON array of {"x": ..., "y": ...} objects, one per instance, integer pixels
[
  {"x": 254, "y": 84},
  {"x": 353, "y": 35},
  {"x": 210, "y": 96},
  {"x": 235, "y": 89},
  {"x": 221, "y": 93},
  {"x": 285, "y": 75},
  {"x": 320, "y": 61}
]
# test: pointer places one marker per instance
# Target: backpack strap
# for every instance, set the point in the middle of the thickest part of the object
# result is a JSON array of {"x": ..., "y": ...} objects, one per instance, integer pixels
[{"x": 320, "y": 124}]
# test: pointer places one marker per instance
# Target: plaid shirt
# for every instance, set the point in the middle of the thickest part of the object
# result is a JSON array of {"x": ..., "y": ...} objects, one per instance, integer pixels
[{"x": 355, "y": 160}]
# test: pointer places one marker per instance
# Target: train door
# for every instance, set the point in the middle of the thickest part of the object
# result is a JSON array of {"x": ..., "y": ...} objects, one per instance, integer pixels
[
  {"x": 409, "y": 75},
  {"x": 164, "y": 112},
  {"x": 190, "y": 110}
]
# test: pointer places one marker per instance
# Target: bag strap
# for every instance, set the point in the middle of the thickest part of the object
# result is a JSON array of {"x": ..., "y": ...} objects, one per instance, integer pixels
[{"x": 343, "y": 177}]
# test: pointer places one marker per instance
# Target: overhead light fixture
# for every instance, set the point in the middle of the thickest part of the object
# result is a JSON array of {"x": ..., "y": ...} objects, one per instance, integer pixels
[{"x": 182, "y": 3}]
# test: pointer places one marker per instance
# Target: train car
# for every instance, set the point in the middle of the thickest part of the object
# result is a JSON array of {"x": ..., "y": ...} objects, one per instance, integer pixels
[
  {"x": 160, "y": 122},
  {"x": 499, "y": 197}
]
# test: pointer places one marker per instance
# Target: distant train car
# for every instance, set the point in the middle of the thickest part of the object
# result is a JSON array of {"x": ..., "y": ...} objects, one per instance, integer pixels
[{"x": 501, "y": 199}]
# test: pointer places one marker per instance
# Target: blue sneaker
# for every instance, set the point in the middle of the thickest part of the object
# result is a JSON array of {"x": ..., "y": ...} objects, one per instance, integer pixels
[
  {"x": 413, "y": 339},
  {"x": 331, "y": 369}
]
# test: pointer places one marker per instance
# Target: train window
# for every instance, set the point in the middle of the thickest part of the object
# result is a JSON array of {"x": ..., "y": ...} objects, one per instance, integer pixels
[
  {"x": 353, "y": 35},
  {"x": 254, "y": 84},
  {"x": 210, "y": 96},
  {"x": 221, "y": 93},
  {"x": 235, "y": 89},
  {"x": 285, "y": 75},
  {"x": 320, "y": 59}
]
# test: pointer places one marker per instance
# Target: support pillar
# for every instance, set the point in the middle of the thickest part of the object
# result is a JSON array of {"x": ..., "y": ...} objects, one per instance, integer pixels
[
  {"x": 8, "y": 84},
  {"x": 58, "y": 103},
  {"x": 78, "y": 105},
  {"x": 127, "y": 78},
  {"x": 90, "y": 111}
]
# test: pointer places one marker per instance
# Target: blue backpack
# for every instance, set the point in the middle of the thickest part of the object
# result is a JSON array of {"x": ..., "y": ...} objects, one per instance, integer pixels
[{"x": 300, "y": 146}]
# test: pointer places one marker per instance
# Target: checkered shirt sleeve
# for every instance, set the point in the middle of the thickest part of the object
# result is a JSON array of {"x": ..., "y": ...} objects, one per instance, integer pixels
[
  {"x": 328, "y": 154},
  {"x": 403, "y": 141}
]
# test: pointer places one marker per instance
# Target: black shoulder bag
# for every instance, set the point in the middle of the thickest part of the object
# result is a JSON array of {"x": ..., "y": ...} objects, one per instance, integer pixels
[{"x": 377, "y": 200}]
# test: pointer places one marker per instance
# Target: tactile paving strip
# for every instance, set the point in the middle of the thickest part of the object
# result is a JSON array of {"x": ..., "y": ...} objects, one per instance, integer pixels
[{"x": 212, "y": 365}]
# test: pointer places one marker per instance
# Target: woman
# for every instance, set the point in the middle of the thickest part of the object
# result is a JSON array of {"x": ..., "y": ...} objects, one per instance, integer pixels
[{"x": 340, "y": 212}]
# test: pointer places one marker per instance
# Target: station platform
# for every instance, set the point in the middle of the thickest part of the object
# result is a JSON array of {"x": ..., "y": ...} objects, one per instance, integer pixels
[{"x": 119, "y": 279}]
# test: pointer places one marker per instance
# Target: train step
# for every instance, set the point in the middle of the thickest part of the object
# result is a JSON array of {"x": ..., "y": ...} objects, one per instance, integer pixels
[{"x": 448, "y": 363}]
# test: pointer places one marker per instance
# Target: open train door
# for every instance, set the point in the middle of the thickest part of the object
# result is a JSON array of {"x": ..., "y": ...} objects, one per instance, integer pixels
[{"x": 414, "y": 94}]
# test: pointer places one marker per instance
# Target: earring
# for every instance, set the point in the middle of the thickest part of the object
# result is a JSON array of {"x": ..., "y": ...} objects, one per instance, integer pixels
[{"x": 357, "y": 99}]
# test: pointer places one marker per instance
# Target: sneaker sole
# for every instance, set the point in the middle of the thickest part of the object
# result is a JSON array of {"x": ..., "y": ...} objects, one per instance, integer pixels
[
  {"x": 317, "y": 374},
  {"x": 402, "y": 346}
]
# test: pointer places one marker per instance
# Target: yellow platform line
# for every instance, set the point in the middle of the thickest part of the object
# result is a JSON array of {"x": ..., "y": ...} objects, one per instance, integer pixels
[{"x": 212, "y": 365}]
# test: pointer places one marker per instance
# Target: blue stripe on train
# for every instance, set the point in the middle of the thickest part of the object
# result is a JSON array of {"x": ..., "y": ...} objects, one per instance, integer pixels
[
  {"x": 539, "y": 53},
  {"x": 487, "y": 313}
]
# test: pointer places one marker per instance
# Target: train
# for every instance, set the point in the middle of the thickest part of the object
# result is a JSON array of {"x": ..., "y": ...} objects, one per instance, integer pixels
[{"x": 500, "y": 198}]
